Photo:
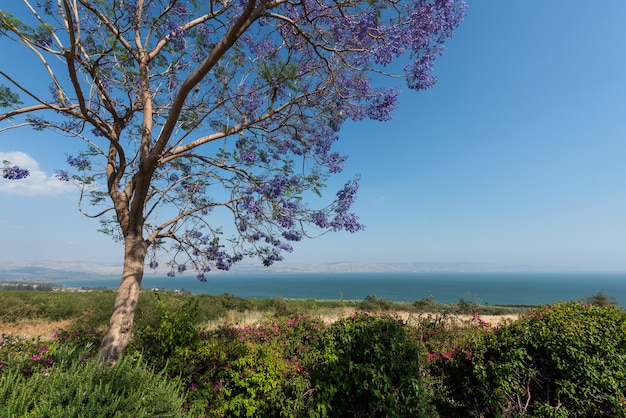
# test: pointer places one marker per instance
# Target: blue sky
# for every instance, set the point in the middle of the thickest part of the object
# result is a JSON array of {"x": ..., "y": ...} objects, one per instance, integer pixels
[{"x": 516, "y": 156}]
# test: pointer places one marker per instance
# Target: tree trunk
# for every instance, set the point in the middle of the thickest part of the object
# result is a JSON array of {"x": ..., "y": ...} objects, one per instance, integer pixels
[{"x": 121, "y": 323}]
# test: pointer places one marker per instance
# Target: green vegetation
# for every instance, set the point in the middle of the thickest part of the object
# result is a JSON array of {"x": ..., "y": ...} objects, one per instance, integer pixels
[
  {"x": 567, "y": 359},
  {"x": 93, "y": 309},
  {"x": 563, "y": 360}
]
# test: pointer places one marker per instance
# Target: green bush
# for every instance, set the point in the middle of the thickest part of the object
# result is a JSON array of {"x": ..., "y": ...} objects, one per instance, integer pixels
[
  {"x": 176, "y": 329},
  {"x": 371, "y": 304},
  {"x": 282, "y": 307},
  {"x": 465, "y": 307},
  {"x": 601, "y": 299},
  {"x": 370, "y": 367},
  {"x": 564, "y": 360},
  {"x": 428, "y": 304},
  {"x": 85, "y": 389},
  {"x": 253, "y": 371}
]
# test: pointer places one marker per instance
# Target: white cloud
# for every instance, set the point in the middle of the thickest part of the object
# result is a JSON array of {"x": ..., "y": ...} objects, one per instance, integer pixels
[{"x": 38, "y": 183}]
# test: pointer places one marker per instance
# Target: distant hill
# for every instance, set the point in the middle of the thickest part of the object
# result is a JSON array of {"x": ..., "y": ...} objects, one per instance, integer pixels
[
  {"x": 47, "y": 270},
  {"x": 416, "y": 267}
]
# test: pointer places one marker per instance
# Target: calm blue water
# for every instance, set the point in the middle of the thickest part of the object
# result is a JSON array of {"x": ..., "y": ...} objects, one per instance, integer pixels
[{"x": 493, "y": 288}]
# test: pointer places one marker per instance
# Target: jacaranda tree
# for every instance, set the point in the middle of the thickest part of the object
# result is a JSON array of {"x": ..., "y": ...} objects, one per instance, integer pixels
[{"x": 190, "y": 107}]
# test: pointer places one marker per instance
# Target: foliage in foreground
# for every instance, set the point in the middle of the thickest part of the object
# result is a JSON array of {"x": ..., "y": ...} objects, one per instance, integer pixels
[
  {"x": 370, "y": 367},
  {"x": 564, "y": 360},
  {"x": 293, "y": 366},
  {"x": 71, "y": 385}
]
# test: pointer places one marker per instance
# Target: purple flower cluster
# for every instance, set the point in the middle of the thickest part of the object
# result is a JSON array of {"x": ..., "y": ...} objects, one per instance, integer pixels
[
  {"x": 13, "y": 172},
  {"x": 63, "y": 175},
  {"x": 382, "y": 105},
  {"x": 80, "y": 162},
  {"x": 38, "y": 123},
  {"x": 335, "y": 162},
  {"x": 344, "y": 219},
  {"x": 43, "y": 37}
]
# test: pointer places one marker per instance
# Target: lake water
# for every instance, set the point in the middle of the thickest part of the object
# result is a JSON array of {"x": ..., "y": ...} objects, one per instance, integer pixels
[{"x": 492, "y": 288}]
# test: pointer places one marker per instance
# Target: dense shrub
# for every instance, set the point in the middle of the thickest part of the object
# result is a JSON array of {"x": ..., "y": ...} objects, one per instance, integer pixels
[
  {"x": 85, "y": 389},
  {"x": 370, "y": 368},
  {"x": 252, "y": 371},
  {"x": 564, "y": 360},
  {"x": 428, "y": 304},
  {"x": 371, "y": 303},
  {"x": 174, "y": 329}
]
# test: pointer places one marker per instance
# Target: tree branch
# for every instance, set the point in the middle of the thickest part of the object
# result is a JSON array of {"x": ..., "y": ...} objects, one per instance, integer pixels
[{"x": 249, "y": 15}]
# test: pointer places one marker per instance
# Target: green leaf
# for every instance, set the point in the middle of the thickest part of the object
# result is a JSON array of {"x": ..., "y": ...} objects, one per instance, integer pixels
[{"x": 8, "y": 98}]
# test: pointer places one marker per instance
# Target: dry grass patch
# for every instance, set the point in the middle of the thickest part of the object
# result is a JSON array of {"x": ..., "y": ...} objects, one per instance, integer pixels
[{"x": 34, "y": 327}]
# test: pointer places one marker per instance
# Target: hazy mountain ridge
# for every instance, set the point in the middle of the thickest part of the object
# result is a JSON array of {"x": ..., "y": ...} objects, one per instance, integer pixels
[{"x": 69, "y": 269}]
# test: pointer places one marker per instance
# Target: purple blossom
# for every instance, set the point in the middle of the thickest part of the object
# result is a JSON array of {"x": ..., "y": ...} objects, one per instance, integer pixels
[
  {"x": 347, "y": 195},
  {"x": 384, "y": 104},
  {"x": 292, "y": 235},
  {"x": 248, "y": 157},
  {"x": 43, "y": 37},
  {"x": 285, "y": 247},
  {"x": 13, "y": 172},
  {"x": 335, "y": 162},
  {"x": 196, "y": 57},
  {"x": 63, "y": 175},
  {"x": 320, "y": 219},
  {"x": 194, "y": 234},
  {"x": 179, "y": 8},
  {"x": 251, "y": 100},
  {"x": 80, "y": 162},
  {"x": 418, "y": 74},
  {"x": 38, "y": 123},
  {"x": 96, "y": 132},
  {"x": 348, "y": 222},
  {"x": 71, "y": 125},
  {"x": 273, "y": 188},
  {"x": 272, "y": 257}
]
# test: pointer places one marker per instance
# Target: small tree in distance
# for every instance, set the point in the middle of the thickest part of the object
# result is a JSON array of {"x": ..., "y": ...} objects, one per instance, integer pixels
[
  {"x": 192, "y": 107},
  {"x": 601, "y": 299}
]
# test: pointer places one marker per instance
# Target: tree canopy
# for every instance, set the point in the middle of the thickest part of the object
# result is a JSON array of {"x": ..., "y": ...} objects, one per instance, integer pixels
[{"x": 190, "y": 107}]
